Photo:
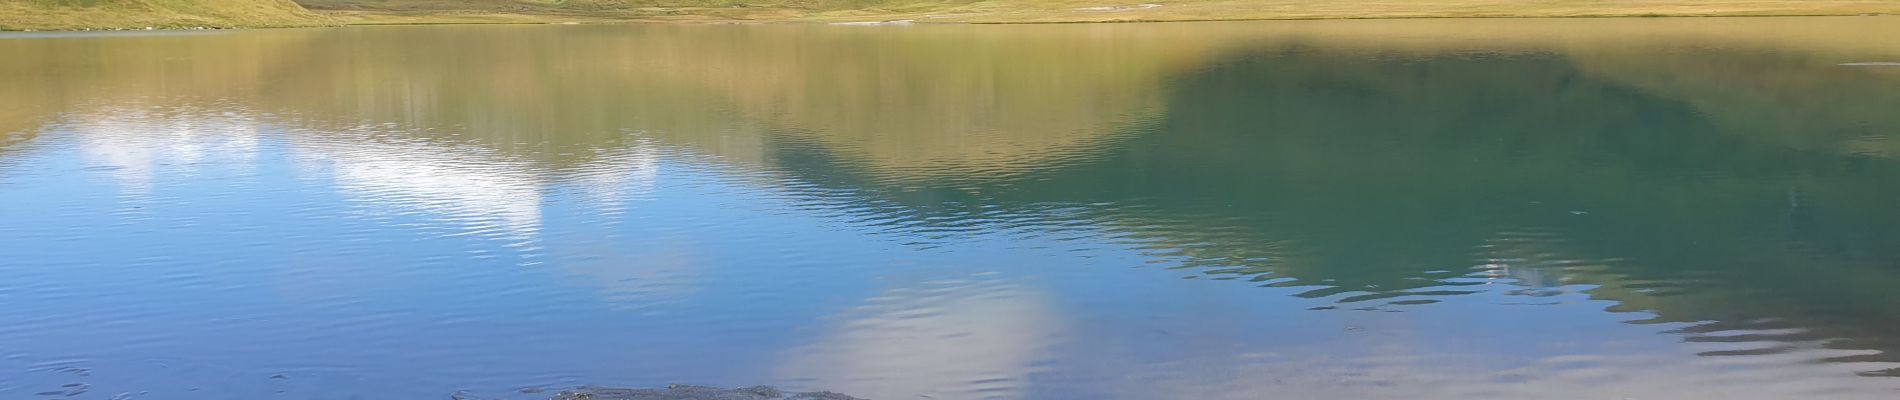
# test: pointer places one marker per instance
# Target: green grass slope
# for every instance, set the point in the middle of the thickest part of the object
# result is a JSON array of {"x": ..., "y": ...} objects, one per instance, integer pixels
[{"x": 138, "y": 14}]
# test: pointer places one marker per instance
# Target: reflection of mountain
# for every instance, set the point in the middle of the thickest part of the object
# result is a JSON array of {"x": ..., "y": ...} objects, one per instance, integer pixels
[
  {"x": 1383, "y": 180},
  {"x": 1686, "y": 168},
  {"x": 969, "y": 99},
  {"x": 1798, "y": 100},
  {"x": 941, "y": 102},
  {"x": 966, "y": 99},
  {"x": 154, "y": 79}
]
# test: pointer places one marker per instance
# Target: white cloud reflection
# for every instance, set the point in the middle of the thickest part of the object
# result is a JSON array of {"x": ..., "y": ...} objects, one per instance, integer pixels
[
  {"x": 131, "y": 143},
  {"x": 953, "y": 339}
]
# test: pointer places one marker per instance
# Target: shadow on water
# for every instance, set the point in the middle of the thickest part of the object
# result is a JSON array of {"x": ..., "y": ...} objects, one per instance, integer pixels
[{"x": 1751, "y": 208}]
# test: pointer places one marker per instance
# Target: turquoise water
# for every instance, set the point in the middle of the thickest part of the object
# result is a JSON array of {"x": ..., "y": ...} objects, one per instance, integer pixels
[{"x": 1605, "y": 208}]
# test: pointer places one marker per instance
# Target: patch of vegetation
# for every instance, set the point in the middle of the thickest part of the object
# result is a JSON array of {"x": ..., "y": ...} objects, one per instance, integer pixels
[{"x": 157, "y": 14}]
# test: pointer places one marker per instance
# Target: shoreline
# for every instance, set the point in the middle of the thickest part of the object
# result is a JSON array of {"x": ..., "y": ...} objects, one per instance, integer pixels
[
  {"x": 690, "y": 392},
  {"x": 1593, "y": 16},
  {"x": 337, "y": 18}
]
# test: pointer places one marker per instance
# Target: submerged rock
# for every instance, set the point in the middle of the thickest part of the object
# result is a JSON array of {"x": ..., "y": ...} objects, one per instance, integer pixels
[{"x": 687, "y": 392}]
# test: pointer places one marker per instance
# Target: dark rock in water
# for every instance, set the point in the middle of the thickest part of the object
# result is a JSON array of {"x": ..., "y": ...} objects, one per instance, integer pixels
[{"x": 686, "y": 392}]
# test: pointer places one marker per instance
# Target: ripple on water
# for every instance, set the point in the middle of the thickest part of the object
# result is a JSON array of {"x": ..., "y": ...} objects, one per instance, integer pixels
[{"x": 377, "y": 227}]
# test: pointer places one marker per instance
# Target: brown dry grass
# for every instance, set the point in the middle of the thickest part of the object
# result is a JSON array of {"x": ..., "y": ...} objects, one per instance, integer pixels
[
  {"x": 138, "y": 14},
  {"x": 1055, "y": 11}
]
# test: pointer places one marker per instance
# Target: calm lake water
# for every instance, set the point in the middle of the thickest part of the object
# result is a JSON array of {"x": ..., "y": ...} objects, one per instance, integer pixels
[{"x": 1576, "y": 209}]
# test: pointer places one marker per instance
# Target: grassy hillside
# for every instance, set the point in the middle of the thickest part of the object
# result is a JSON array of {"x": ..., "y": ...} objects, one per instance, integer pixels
[
  {"x": 97, "y": 14},
  {"x": 1064, "y": 10},
  {"x": 430, "y": 11},
  {"x": 76, "y": 14}
]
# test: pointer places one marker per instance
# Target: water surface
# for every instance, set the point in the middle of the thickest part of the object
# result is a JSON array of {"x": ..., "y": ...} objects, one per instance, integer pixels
[{"x": 1429, "y": 209}]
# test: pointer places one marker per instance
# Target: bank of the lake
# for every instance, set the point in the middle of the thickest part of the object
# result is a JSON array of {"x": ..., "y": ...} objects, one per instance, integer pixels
[
  {"x": 689, "y": 392},
  {"x": 1064, "y": 11},
  {"x": 175, "y": 14},
  {"x": 156, "y": 14}
]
